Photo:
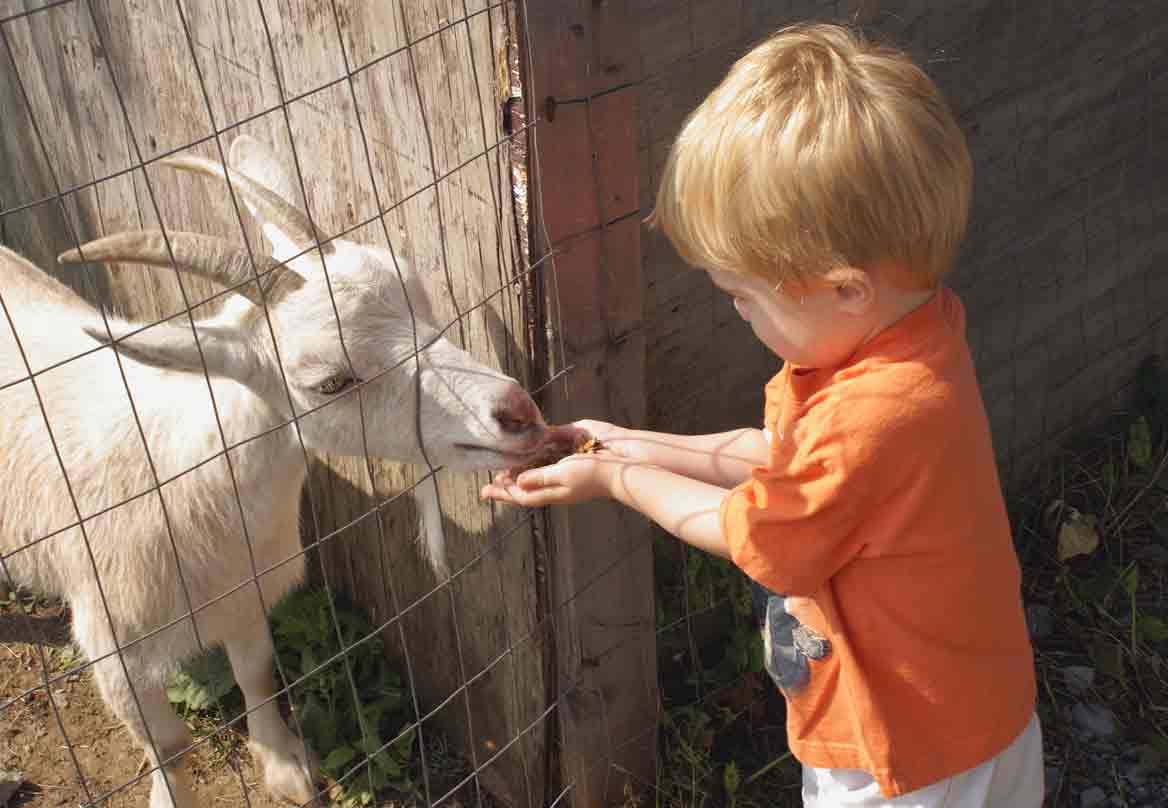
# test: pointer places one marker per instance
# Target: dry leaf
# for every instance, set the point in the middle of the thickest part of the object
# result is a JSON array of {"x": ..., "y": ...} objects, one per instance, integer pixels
[
  {"x": 1077, "y": 535},
  {"x": 590, "y": 446}
]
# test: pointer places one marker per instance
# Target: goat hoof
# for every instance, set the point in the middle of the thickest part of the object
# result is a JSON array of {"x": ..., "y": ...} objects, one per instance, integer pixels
[
  {"x": 289, "y": 777},
  {"x": 177, "y": 795}
]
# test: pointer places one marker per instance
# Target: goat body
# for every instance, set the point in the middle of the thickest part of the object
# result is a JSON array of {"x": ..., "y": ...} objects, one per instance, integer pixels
[{"x": 116, "y": 491}]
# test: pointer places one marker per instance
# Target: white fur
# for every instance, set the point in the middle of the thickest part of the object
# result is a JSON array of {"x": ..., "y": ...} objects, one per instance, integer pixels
[{"x": 141, "y": 560}]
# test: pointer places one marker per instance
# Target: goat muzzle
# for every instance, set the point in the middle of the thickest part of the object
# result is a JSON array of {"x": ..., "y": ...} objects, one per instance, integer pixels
[{"x": 516, "y": 414}]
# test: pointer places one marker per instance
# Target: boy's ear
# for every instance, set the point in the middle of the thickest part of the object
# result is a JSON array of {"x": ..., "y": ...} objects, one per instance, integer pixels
[{"x": 855, "y": 289}]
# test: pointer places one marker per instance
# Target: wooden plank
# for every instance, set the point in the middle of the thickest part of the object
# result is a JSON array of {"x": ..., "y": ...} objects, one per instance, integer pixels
[
  {"x": 586, "y": 195},
  {"x": 489, "y": 611}
]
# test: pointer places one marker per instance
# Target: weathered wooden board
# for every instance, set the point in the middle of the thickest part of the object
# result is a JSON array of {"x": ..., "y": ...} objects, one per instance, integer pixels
[
  {"x": 426, "y": 89},
  {"x": 585, "y": 198}
]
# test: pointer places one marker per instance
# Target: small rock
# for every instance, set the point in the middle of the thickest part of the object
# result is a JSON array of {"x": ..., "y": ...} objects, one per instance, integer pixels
[
  {"x": 1039, "y": 620},
  {"x": 1078, "y": 535},
  {"x": 1135, "y": 774},
  {"x": 1079, "y": 678},
  {"x": 1092, "y": 798},
  {"x": 1143, "y": 762},
  {"x": 1094, "y": 719},
  {"x": 1139, "y": 793}
]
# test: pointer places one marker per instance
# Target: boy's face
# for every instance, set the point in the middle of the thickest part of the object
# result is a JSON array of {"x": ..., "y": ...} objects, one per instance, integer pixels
[{"x": 820, "y": 325}]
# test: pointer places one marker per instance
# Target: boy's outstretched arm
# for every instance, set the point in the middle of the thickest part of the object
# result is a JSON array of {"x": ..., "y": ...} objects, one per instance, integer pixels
[
  {"x": 687, "y": 508},
  {"x": 723, "y": 459}
]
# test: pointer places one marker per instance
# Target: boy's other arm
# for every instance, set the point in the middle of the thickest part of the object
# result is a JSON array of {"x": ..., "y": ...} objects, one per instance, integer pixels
[
  {"x": 724, "y": 459},
  {"x": 689, "y": 509}
]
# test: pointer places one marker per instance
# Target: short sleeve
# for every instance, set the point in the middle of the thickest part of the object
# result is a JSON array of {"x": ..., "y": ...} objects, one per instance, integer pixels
[
  {"x": 793, "y": 525},
  {"x": 774, "y": 394}
]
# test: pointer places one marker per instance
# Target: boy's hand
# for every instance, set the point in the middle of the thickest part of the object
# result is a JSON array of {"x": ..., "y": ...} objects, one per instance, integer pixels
[
  {"x": 616, "y": 440},
  {"x": 575, "y": 479}
]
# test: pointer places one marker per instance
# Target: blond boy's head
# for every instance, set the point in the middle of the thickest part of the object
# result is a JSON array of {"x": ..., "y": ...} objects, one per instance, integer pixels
[{"x": 818, "y": 151}]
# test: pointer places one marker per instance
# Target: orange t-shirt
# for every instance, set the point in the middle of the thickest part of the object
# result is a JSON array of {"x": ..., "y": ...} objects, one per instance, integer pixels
[{"x": 880, "y": 516}]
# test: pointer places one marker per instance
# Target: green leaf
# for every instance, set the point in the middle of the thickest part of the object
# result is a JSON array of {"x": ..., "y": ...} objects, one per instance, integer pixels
[
  {"x": 757, "y": 655},
  {"x": 387, "y": 764},
  {"x": 330, "y": 714},
  {"x": 731, "y": 778},
  {"x": 338, "y": 759},
  {"x": 377, "y": 777},
  {"x": 1131, "y": 580},
  {"x": 403, "y": 746},
  {"x": 1109, "y": 476},
  {"x": 1153, "y": 629},
  {"x": 1139, "y": 443},
  {"x": 369, "y": 745}
]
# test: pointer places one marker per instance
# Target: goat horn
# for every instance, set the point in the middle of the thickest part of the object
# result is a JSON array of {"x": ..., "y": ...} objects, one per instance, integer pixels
[
  {"x": 270, "y": 205},
  {"x": 206, "y": 256}
]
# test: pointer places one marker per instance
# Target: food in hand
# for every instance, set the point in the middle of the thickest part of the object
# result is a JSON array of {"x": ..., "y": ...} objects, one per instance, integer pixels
[{"x": 555, "y": 451}]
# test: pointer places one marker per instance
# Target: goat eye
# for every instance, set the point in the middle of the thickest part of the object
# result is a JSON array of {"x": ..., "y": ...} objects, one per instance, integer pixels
[{"x": 336, "y": 384}]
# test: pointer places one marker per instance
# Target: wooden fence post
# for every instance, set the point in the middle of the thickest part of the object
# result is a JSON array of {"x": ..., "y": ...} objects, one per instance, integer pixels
[{"x": 583, "y": 68}]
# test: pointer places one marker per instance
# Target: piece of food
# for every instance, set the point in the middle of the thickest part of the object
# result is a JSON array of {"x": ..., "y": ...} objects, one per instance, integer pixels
[{"x": 555, "y": 451}]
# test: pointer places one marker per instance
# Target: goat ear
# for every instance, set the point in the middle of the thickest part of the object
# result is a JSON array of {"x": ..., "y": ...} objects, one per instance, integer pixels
[
  {"x": 225, "y": 351},
  {"x": 256, "y": 161}
]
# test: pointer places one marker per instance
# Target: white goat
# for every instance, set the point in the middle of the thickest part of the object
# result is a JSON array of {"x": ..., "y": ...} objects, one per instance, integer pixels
[{"x": 148, "y": 556}]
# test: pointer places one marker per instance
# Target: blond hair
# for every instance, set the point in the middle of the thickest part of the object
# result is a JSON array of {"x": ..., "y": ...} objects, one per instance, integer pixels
[{"x": 818, "y": 150}]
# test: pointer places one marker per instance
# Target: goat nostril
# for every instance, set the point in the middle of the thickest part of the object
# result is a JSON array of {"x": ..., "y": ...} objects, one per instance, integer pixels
[
  {"x": 518, "y": 414},
  {"x": 510, "y": 425}
]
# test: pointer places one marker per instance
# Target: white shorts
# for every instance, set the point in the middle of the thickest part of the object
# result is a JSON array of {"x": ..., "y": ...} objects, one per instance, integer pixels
[{"x": 1013, "y": 779}]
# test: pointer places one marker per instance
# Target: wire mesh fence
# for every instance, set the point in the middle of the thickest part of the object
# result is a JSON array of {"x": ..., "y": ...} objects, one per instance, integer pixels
[
  {"x": 497, "y": 159},
  {"x": 184, "y": 526}
]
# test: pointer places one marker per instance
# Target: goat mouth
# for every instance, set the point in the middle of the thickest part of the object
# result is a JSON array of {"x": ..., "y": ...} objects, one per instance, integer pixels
[{"x": 472, "y": 447}]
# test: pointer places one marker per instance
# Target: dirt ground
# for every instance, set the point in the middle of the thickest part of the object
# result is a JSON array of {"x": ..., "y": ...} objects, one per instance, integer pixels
[{"x": 31, "y": 741}]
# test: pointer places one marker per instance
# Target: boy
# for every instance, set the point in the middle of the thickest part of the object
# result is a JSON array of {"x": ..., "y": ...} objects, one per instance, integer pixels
[{"x": 824, "y": 186}]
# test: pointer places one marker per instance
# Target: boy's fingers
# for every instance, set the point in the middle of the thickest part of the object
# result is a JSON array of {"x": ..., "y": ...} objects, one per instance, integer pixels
[
  {"x": 563, "y": 432},
  {"x": 541, "y": 497},
  {"x": 535, "y": 479},
  {"x": 497, "y": 492},
  {"x": 514, "y": 495}
]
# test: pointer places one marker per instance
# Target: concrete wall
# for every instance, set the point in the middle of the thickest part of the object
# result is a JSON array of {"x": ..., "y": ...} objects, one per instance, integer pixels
[{"x": 1065, "y": 105}]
